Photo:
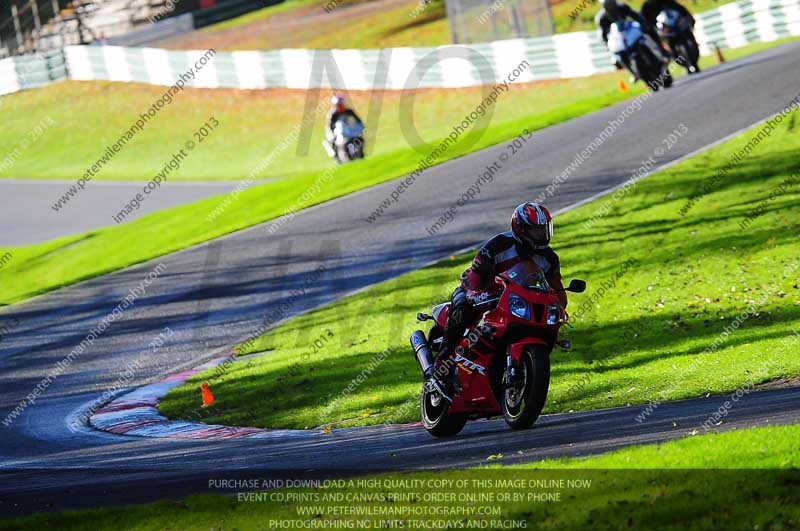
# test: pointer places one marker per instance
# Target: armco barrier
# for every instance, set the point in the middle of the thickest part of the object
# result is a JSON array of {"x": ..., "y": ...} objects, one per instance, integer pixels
[
  {"x": 40, "y": 69},
  {"x": 559, "y": 56},
  {"x": 739, "y": 23}
]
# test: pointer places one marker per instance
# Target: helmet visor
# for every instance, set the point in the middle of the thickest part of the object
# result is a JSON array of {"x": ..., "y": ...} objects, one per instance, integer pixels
[{"x": 538, "y": 234}]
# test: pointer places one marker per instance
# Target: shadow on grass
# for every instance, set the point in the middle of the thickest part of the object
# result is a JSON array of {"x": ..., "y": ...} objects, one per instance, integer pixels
[{"x": 645, "y": 225}]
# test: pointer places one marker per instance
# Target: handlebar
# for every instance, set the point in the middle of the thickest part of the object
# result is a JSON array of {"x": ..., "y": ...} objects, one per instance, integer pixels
[{"x": 486, "y": 302}]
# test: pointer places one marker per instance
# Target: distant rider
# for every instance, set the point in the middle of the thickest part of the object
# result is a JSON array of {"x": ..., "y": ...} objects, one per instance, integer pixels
[
  {"x": 529, "y": 238},
  {"x": 652, "y": 8},
  {"x": 614, "y": 12},
  {"x": 338, "y": 111}
]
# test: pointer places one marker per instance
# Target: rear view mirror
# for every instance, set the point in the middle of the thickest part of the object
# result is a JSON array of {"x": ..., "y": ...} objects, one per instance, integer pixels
[{"x": 577, "y": 286}]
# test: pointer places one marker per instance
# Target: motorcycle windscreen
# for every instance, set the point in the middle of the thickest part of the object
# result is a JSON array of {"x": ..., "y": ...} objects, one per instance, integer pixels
[
  {"x": 633, "y": 32},
  {"x": 529, "y": 276},
  {"x": 620, "y": 39}
]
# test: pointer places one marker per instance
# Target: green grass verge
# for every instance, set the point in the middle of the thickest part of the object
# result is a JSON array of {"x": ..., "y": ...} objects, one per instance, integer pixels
[
  {"x": 646, "y": 487},
  {"x": 89, "y": 116},
  {"x": 641, "y": 340}
]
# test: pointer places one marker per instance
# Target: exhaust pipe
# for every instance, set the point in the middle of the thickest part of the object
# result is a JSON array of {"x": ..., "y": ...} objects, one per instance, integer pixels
[{"x": 421, "y": 350}]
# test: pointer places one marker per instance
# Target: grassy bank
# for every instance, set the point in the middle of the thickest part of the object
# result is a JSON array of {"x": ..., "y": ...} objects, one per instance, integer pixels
[
  {"x": 77, "y": 120},
  {"x": 252, "y": 125},
  {"x": 347, "y": 23},
  {"x": 641, "y": 331},
  {"x": 294, "y": 24},
  {"x": 677, "y": 485},
  {"x": 88, "y": 116}
]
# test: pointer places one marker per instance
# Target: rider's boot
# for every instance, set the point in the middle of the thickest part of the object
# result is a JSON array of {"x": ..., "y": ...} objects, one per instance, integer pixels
[{"x": 442, "y": 376}]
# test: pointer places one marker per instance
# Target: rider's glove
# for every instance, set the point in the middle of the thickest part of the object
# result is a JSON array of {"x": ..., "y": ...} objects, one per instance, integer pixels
[{"x": 477, "y": 297}]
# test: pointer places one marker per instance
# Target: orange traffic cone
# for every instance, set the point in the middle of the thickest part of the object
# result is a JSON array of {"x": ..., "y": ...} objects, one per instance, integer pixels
[
  {"x": 622, "y": 86},
  {"x": 208, "y": 397}
]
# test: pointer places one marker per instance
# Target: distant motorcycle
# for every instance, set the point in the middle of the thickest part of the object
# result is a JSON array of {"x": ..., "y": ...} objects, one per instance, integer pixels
[
  {"x": 347, "y": 141},
  {"x": 676, "y": 31},
  {"x": 503, "y": 361},
  {"x": 640, "y": 54}
]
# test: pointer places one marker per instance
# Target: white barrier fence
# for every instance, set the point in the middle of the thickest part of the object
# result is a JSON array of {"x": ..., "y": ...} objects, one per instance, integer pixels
[{"x": 559, "y": 56}]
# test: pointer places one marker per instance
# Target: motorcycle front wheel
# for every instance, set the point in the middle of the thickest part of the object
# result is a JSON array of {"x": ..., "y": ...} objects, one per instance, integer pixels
[
  {"x": 693, "y": 53},
  {"x": 524, "y": 398},
  {"x": 436, "y": 419}
]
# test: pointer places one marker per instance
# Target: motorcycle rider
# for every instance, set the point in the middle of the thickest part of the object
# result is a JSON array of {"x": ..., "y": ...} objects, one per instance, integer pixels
[
  {"x": 613, "y": 12},
  {"x": 652, "y": 8},
  {"x": 529, "y": 238},
  {"x": 338, "y": 111}
]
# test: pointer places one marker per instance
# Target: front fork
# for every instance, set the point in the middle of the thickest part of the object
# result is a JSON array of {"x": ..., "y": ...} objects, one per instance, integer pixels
[
  {"x": 512, "y": 373},
  {"x": 513, "y": 363}
]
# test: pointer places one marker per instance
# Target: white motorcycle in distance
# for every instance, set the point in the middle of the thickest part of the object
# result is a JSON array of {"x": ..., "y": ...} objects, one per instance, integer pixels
[
  {"x": 639, "y": 53},
  {"x": 676, "y": 31},
  {"x": 346, "y": 143}
]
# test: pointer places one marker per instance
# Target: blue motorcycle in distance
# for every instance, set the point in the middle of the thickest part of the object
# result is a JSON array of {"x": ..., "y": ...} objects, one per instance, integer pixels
[
  {"x": 639, "y": 53},
  {"x": 346, "y": 143}
]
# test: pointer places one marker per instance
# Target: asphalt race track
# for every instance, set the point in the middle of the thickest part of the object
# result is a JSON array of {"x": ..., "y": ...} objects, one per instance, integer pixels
[
  {"x": 212, "y": 295},
  {"x": 30, "y": 219}
]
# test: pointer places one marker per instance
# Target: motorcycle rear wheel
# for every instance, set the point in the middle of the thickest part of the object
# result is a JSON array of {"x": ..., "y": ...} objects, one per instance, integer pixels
[
  {"x": 354, "y": 150},
  {"x": 436, "y": 419},
  {"x": 523, "y": 404}
]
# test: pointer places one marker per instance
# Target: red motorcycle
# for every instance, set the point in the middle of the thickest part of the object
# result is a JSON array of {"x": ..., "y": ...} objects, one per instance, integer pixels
[{"x": 503, "y": 361}]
